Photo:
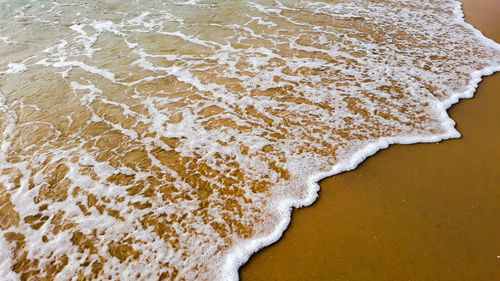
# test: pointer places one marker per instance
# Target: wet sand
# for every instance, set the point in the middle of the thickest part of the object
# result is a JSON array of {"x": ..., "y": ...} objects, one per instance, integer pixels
[
  {"x": 412, "y": 212},
  {"x": 148, "y": 139}
]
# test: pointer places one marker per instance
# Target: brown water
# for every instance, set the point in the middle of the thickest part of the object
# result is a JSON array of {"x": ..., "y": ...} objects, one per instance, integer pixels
[
  {"x": 168, "y": 140},
  {"x": 418, "y": 212}
]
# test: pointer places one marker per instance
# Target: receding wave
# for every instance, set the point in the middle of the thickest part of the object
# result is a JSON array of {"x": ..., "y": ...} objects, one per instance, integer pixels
[{"x": 154, "y": 140}]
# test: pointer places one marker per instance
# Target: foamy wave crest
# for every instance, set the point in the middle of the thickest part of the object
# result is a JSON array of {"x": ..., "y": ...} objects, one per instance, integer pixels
[{"x": 154, "y": 140}]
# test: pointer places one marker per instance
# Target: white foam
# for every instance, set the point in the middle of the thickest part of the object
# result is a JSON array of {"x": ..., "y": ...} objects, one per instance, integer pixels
[
  {"x": 6, "y": 40},
  {"x": 115, "y": 62},
  {"x": 243, "y": 251},
  {"x": 15, "y": 68}
]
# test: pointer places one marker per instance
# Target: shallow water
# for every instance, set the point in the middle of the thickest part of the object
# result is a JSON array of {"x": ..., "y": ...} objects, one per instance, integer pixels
[{"x": 167, "y": 140}]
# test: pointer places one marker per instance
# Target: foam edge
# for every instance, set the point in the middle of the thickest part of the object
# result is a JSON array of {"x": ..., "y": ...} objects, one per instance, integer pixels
[{"x": 241, "y": 253}]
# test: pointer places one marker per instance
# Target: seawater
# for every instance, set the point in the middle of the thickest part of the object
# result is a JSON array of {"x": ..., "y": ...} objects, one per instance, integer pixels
[{"x": 169, "y": 140}]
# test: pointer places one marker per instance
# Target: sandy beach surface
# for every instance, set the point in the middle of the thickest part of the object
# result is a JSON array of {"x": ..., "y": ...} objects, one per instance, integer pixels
[
  {"x": 166, "y": 140},
  {"x": 412, "y": 212}
]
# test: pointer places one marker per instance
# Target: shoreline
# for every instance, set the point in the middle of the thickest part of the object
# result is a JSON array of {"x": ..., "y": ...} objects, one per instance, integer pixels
[
  {"x": 183, "y": 162},
  {"x": 361, "y": 157}
]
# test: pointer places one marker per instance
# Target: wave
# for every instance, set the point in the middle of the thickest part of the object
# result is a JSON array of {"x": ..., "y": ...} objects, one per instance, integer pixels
[{"x": 171, "y": 139}]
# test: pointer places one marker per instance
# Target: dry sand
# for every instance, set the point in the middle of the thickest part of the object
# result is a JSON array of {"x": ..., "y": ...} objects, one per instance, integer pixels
[{"x": 412, "y": 212}]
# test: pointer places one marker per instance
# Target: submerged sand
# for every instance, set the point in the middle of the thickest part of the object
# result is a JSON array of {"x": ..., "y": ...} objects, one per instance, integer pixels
[
  {"x": 412, "y": 212},
  {"x": 161, "y": 140}
]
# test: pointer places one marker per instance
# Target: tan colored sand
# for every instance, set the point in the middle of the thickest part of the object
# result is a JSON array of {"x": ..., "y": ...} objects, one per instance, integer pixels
[{"x": 412, "y": 212}]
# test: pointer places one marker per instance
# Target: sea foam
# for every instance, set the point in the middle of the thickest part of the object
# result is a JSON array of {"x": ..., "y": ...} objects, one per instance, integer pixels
[{"x": 161, "y": 140}]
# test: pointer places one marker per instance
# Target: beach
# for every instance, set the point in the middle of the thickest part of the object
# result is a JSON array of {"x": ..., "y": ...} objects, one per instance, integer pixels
[
  {"x": 411, "y": 212},
  {"x": 170, "y": 140}
]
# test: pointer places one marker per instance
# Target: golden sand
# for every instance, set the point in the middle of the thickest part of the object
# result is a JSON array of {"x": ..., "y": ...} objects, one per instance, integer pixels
[
  {"x": 151, "y": 140},
  {"x": 412, "y": 212}
]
